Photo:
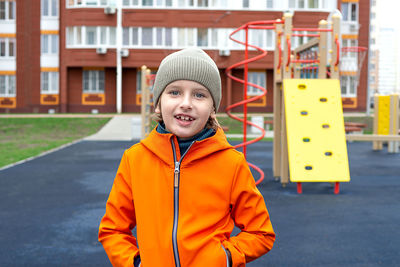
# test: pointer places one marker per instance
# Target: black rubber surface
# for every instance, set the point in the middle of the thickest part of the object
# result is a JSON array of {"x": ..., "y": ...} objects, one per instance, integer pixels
[{"x": 50, "y": 209}]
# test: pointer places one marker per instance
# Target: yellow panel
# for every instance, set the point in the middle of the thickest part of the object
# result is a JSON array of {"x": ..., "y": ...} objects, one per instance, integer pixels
[
  {"x": 384, "y": 114},
  {"x": 315, "y": 131},
  {"x": 93, "y": 99},
  {"x": 49, "y": 99},
  {"x": 8, "y": 102}
]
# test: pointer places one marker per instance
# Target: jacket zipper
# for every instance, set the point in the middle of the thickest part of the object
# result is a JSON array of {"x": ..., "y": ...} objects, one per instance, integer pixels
[{"x": 177, "y": 171}]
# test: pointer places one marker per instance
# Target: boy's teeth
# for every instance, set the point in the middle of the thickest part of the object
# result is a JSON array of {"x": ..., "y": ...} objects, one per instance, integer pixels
[{"x": 184, "y": 118}]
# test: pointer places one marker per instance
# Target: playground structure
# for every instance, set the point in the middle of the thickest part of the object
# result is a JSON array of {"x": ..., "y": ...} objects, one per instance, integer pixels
[{"x": 313, "y": 70}]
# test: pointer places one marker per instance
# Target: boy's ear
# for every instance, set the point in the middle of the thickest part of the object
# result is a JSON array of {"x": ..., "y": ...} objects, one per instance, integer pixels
[
  {"x": 213, "y": 115},
  {"x": 157, "y": 109}
]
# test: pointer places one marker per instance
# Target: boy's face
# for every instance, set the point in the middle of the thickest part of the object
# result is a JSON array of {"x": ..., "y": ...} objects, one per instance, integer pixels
[{"x": 185, "y": 107}]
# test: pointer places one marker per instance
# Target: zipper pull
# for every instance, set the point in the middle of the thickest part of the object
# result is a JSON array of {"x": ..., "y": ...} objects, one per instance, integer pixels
[{"x": 176, "y": 174}]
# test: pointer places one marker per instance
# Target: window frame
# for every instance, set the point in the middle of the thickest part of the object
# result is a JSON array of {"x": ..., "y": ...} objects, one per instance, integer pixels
[
  {"x": 346, "y": 80},
  {"x": 348, "y": 17},
  {"x": 93, "y": 87},
  {"x": 9, "y": 80},
  {"x": 52, "y": 82},
  {"x": 7, "y": 41},
  {"x": 50, "y": 8},
  {"x": 52, "y": 44},
  {"x": 9, "y": 9},
  {"x": 321, "y": 4},
  {"x": 258, "y": 77}
]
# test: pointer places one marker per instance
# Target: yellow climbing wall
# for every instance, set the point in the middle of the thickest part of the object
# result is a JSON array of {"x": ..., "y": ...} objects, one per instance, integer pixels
[
  {"x": 315, "y": 131},
  {"x": 384, "y": 114}
]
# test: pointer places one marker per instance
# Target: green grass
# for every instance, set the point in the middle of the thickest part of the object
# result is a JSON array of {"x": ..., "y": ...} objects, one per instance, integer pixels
[{"x": 21, "y": 138}]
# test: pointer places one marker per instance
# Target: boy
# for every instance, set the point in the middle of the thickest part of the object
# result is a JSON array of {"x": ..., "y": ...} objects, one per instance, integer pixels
[{"x": 184, "y": 187}]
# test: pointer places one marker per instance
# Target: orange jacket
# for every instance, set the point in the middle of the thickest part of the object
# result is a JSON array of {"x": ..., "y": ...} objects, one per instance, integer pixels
[{"x": 184, "y": 212}]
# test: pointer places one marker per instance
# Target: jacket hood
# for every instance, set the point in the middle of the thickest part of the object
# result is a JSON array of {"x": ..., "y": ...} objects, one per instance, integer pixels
[{"x": 160, "y": 145}]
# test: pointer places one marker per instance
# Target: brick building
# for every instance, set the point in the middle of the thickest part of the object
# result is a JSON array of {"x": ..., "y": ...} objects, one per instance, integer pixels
[{"x": 61, "y": 55}]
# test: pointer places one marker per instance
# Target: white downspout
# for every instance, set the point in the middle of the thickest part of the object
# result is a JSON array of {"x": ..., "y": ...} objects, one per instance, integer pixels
[{"x": 119, "y": 59}]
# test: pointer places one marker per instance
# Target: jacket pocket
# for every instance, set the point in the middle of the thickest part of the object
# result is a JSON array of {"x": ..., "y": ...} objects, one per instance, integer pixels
[{"x": 228, "y": 259}]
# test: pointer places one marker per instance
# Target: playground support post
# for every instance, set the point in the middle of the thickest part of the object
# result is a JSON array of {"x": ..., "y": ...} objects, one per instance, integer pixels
[
  {"x": 322, "y": 49},
  {"x": 145, "y": 101},
  {"x": 277, "y": 100},
  {"x": 393, "y": 146},
  {"x": 335, "y": 47},
  {"x": 287, "y": 74},
  {"x": 376, "y": 145}
]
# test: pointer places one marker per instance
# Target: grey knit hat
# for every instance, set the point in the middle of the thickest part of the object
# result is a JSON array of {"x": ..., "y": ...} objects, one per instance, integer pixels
[{"x": 191, "y": 64}]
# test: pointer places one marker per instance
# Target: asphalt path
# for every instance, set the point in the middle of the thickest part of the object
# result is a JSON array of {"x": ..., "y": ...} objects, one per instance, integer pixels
[{"x": 50, "y": 209}]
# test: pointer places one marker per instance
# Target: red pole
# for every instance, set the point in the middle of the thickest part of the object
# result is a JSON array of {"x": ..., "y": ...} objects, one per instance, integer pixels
[
  {"x": 246, "y": 57},
  {"x": 336, "y": 190}
]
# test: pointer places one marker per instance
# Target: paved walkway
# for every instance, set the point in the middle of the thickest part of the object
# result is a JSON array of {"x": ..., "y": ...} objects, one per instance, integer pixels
[{"x": 119, "y": 128}]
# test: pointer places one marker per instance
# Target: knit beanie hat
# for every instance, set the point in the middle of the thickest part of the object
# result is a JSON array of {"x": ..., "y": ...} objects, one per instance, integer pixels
[{"x": 191, "y": 64}]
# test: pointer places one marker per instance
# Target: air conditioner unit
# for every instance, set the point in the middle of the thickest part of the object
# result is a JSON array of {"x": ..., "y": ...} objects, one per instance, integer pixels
[
  {"x": 109, "y": 10},
  {"x": 101, "y": 50},
  {"x": 224, "y": 52},
  {"x": 124, "y": 52}
]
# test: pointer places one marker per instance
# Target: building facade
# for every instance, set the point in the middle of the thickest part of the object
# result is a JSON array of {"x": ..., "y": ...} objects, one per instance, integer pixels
[{"x": 63, "y": 55}]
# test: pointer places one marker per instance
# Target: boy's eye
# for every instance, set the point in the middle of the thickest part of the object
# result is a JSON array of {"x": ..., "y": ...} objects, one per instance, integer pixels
[
  {"x": 199, "y": 95},
  {"x": 173, "y": 92}
]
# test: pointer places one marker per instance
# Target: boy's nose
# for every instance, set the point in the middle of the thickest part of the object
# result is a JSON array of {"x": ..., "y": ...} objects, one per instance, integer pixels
[{"x": 186, "y": 102}]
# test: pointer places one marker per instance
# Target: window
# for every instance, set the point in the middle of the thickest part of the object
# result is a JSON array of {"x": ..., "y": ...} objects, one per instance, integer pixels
[
  {"x": 49, "y": 8},
  {"x": 256, "y": 77},
  {"x": 7, "y": 10},
  {"x": 49, "y": 83},
  {"x": 89, "y": 3},
  {"x": 49, "y": 44},
  {"x": 7, "y": 86},
  {"x": 304, "y": 4},
  {"x": 150, "y": 37},
  {"x": 202, "y": 3},
  {"x": 312, "y": 3},
  {"x": 202, "y": 37},
  {"x": 7, "y": 47},
  {"x": 159, "y": 36},
  {"x": 147, "y": 36},
  {"x": 125, "y": 36},
  {"x": 113, "y": 35},
  {"x": 93, "y": 81},
  {"x": 181, "y": 36},
  {"x": 168, "y": 37},
  {"x": 348, "y": 85},
  {"x": 92, "y": 36},
  {"x": 103, "y": 35},
  {"x": 147, "y": 2},
  {"x": 256, "y": 37},
  {"x": 246, "y": 3},
  {"x": 135, "y": 36},
  {"x": 350, "y": 12}
]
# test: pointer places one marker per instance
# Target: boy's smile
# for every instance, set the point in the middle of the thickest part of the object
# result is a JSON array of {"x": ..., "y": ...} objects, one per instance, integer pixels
[{"x": 185, "y": 107}]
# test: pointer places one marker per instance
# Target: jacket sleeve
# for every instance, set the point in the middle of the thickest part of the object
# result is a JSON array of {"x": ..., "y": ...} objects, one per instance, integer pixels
[
  {"x": 116, "y": 225},
  {"x": 251, "y": 216}
]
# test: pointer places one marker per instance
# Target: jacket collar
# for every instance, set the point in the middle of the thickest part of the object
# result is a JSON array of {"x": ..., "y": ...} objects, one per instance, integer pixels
[{"x": 160, "y": 145}]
